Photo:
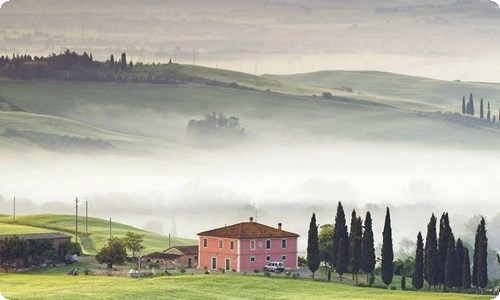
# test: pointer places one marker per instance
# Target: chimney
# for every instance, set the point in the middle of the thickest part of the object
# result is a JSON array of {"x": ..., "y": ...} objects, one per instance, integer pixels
[
  {"x": 251, "y": 219},
  {"x": 279, "y": 226}
]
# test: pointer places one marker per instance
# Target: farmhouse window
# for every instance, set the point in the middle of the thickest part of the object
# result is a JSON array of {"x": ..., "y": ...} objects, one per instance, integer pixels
[
  {"x": 268, "y": 258},
  {"x": 231, "y": 245},
  {"x": 283, "y": 243},
  {"x": 252, "y": 245},
  {"x": 220, "y": 244},
  {"x": 283, "y": 257},
  {"x": 205, "y": 243},
  {"x": 268, "y": 244},
  {"x": 252, "y": 258}
]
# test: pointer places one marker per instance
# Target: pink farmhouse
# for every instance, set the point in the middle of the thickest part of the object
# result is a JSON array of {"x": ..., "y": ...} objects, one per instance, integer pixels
[{"x": 247, "y": 246}]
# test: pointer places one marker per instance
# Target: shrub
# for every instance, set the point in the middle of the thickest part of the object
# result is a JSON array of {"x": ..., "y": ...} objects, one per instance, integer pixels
[
  {"x": 256, "y": 271},
  {"x": 288, "y": 274},
  {"x": 223, "y": 271},
  {"x": 267, "y": 274},
  {"x": 167, "y": 273},
  {"x": 182, "y": 271},
  {"x": 393, "y": 288},
  {"x": 86, "y": 271},
  {"x": 371, "y": 280},
  {"x": 206, "y": 272}
]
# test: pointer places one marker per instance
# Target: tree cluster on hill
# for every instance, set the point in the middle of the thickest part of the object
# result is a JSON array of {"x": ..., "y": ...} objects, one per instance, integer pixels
[
  {"x": 215, "y": 129},
  {"x": 468, "y": 109},
  {"x": 442, "y": 261}
]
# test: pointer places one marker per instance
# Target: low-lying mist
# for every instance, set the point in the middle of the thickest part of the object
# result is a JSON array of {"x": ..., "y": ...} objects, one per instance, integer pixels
[{"x": 185, "y": 192}]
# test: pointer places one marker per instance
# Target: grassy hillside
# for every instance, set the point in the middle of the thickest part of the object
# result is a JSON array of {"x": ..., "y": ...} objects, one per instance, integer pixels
[
  {"x": 98, "y": 231},
  {"x": 196, "y": 287},
  {"x": 162, "y": 112},
  {"x": 21, "y": 229},
  {"x": 446, "y": 95}
]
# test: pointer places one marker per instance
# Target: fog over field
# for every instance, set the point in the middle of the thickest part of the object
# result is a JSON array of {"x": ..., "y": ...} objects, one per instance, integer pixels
[{"x": 380, "y": 140}]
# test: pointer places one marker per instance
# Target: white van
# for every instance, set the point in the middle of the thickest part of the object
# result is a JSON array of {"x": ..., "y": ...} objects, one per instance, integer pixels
[{"x": 275, "y": 266}]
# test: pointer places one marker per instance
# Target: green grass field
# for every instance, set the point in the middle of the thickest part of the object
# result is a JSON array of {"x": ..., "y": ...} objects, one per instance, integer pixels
[
  {"x": 21, "y": 229},
  {"x": 26, "y": 286},
  {"x": 98, "y": 231}
]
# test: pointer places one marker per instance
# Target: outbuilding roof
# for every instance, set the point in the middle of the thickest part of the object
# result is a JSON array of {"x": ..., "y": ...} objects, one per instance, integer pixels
[
  {"x": 182, "y": 250},
  {"x": 248, "y": 230}
]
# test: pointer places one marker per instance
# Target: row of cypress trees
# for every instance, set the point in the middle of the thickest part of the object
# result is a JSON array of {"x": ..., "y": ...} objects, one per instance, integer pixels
[
  {"x": 468, "y": 109},
  {"x": 442, "y": 261},
  {"x": 446, "y": 263},
  {"x": 353, "y": 251}
]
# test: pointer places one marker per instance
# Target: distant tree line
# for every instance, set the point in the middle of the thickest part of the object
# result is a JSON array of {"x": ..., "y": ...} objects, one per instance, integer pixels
[
  {"x": 72, "y": 66},
  {"x": 441, "y": 261},
  {"x": 469, "y": 109},
  {"x": 215, "y": 129}
]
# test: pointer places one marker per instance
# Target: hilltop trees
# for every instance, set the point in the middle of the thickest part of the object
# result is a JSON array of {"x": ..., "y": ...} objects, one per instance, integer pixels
[
  {"x": 355, "y": 253},
  {"x": 443, "y": 242},
  {"x": 488, "y": 115},
  {"x": 481, "y": 109},
  {"x": 451, "y": 268},
  {"x": 313, "y": 257},
  {"x": 215, "y": 129},
  {"x": 459, "y": 255},
  {"x": 418, "y": 271},
  {"x": 464, "y": 110},
  {"x": 466, "y": 277},
  {"x": 368, "y": 247}
]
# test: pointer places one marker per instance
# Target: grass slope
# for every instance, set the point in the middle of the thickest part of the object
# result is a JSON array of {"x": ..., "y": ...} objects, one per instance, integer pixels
[
  {"x": 98, "y": 231},
  {"x": 21, "y": 229},
  {"x": 15, "y": 286},
  {"x": 162, "y": 112},
  {"x": 442, "y": 94}
]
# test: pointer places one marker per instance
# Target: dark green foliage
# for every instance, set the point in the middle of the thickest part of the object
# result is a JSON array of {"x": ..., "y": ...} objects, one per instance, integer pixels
[
  {"x": 403, "y": 282},
  {"x": 481, "y": 255},
  {"x": 451, "y": 268},
  {"x": 418, "y": 271},
  {"x": 13, "y": 251},
  {"x": 488, "y": 115},
  {"x": 431, "y": 274},
  {"x": 313, "y": 259},
  {"x": 341, "y": 267},
  {"x": 71, "y": 248},
  {"x": 329, "y": 275},
  {"x": 443, "y": 241},
  {"x": 112, "y": 61},
  {"x": 113, "y": 253},
  {"x": 124, "y": 61},
  {"x": 387, "y": 251},
  {"x": 355, "y": 247},
  {"x": 215, "y": 129},
  {"x": 302, "y": 261},
  {"x": 404, "y": 266},
  {"x": 466, "y": 277},
  {"x": 481, "y": 109},
  {"x": 133, "y": 242},
  {"x": 354, "y": 219},
  {"x": 368, "y": 248},
  {"x": 340, "y": 232},
  {"x": 326, "y": 243},
  {"x": 471, "y": 105},
  {"x": 464, "y": 110},
  {"x": 459, "y": 255}
]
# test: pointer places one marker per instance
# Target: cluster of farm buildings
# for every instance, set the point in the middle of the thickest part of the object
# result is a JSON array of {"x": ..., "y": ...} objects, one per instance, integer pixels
[{"x": 242, "y": 247}]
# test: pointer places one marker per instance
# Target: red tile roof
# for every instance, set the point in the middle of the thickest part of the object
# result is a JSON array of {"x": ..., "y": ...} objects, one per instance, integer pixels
[{"x": 248, "y": 230}]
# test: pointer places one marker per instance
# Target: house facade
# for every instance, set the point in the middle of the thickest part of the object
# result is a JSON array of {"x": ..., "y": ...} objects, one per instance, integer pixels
[
  {"x": 247, "y": 246},
  {"x": 177, "y": 257}
]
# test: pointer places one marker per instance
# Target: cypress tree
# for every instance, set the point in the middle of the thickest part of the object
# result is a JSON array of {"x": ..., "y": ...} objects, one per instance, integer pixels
[
  {"x": 403, "y": 282},
  {"x": 368, "y": 247},
  {"x": 481, "y": 109},
  {"x": 313, "y": 259},
  {"x": 482, "y": 255},
  {"x": 339, "y": 232},
  {"x": 356, "y": 251},
  {"x": 466, "y": 278},
  {"x": 431, "y": 254},
  {"x": 488, "y": 115},
  {"x": 124, "y": 61},
  {"x": 342, "y": 258},
  {"x": 463, "y": 106},
  {"x": 418, "y": 271},
  {"x": 459, "y": 254},
  {"x": 352, "y": 236},
  {"x": 475, "y": 260},
  {"x": 451, "y": 270},
  {"x": 471, "y": 101},
  {"x": 112, "y": 61},
  {"x": 443, "y": 241},
  {"x": 387, "y": 251}
]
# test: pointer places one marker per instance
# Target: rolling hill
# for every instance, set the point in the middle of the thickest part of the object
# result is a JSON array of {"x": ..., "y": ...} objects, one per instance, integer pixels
[{"x": 98, "y": 231}]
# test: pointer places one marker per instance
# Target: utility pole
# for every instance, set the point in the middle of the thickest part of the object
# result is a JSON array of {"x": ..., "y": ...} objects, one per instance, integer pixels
[
  {"x": 169, "y": 240},
  {"x": 86, "y": 217},
  {"x": 109, "y": 227},
  {"x": 14, "y": 211},
  {"x": 76, "y": 220}
]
